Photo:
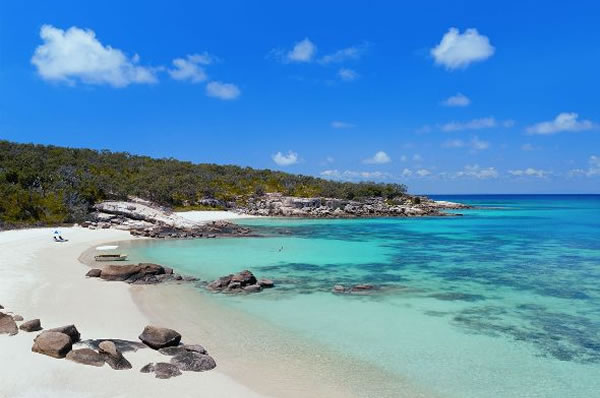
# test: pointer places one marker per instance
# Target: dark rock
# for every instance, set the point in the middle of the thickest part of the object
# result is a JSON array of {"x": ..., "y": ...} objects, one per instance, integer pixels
[
  {"x": 69, "y": 330},
  {"x": 187, "y": 278},
  {"x": 162, "y": 370},
  {"x": 168, "y": 270},
  {"x": 122, "y": 345},
  {"x": 253, "y": 288},
  {"x": 7, "y": 325},
  {"x": 220, "y": 283},
  {"x": 17, "y": 318},
  {"x": 132, "y": 273},
  {"x": 86, "y": 356},
  {"x": 1, "y": 307},
  {"x": 266, "y": 283},
  {"x": 156, "y": 337},
  {"x": 94, "y": 273},
  {"x": 172, "y": 351},
  {"x": 245, "y": 278},
  {"x": 178, "y": 277},
  {"x": 339, "y": 289},
  {"x": 362, "y": 288},
  {"x": 113, "y": 357},
  {"x": 31, "y": 326},
  {"x": 195, "y": 348},
  {"x": 54, "y": 344},
  {"x": 234, "y": 287},
  {"x": 193, "y": 361}
]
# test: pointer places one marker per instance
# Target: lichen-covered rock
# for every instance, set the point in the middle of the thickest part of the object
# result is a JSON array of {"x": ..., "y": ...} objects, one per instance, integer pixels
[
  {"x": 157, "y": 337},
  {"x": 31, "y": 326},
  {"x": 86, "y": 356},
  {"x": 54, "y": 344}
]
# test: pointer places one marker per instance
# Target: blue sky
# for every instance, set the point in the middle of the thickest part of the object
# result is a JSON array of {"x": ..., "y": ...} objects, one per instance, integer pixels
[{"x": 447, "y": 97}]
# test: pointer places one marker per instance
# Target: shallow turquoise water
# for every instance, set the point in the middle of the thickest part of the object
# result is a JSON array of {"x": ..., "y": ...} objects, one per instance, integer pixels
[{"x": 502, "y": 302}]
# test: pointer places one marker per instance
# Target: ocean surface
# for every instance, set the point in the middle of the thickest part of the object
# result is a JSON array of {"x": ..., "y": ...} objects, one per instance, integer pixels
[{"x": 503, "y": 301}]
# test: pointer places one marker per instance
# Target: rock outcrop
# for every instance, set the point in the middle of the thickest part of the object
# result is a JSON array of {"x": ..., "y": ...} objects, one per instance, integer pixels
[
  {"x": 17, "y": 318},
  {"x": 86, "y": 356},
  {"x": 243, "y": 281},
  {"x": 7, "y": 325},
  {"x": 113, "y": 356},
  {"x": 156, "y": 337},
  {"x": 276, "y": 204},
  {"x": 54, "y": 344},
  {"x": 33, "y": 325},
  {"x": 69, "y": 330},
  {"x": 193, "y": 362},
  {"x": 172, "y": 351}
]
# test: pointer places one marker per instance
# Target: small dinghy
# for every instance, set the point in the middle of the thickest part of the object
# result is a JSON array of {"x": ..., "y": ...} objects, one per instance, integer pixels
[{"x": 110, "y": 257}]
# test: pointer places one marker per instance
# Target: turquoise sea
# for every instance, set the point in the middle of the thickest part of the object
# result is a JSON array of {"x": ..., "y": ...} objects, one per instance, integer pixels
[{"x": 503, "y": 301}]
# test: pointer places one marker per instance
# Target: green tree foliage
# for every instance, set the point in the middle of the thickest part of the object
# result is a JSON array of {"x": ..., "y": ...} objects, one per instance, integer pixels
[{"x": 49, "y": 185}]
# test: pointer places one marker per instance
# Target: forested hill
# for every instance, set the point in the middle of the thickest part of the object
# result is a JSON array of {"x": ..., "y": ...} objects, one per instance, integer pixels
[{"x": 50, "y": 185}]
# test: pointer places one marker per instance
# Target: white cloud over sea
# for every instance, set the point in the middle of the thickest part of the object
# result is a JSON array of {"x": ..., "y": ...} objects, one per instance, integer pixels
[{"x": 458, "y": 50}]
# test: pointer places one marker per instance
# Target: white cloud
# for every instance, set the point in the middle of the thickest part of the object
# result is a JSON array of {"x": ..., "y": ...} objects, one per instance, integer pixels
[
  {"x": 458, "y": 50},
  {"x": 529, "y": 172},
  {"x": 303, "y": 51},
  {"x": 474, "y": 171},
  {"x": 563, "y": 122},
  {"x": 76, "y": 55},
  {"x": 379, "y": 158},
  {"x": 355, "y": 175},
  {"x": 285, "y": 160},
  {"x": 188, "y": 68},
  {"x": 329, "y": 159},
  {"x": 423, "y": 173},
  {"x": 224, "y": 91},
  {"x": 336, "y": 124},
  {"x": 478, "y": 145},
  {"x": 347, "y": 75},
  {"x": 406, "y": 173},
  {"x": 453, "y": 144},
  {"x": 345, "y": 54},
  {"x": 475, "y": 124},
  {"x": 457, "y": 100},
  {"x": 592, "y": 170},
  {"x": 475, "y": 144}
]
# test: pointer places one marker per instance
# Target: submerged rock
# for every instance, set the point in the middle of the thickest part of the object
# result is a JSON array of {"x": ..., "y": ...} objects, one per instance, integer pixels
[
  {"x": 156, "y": 337},
  {"x": 362, "y": 288},
  {"x": 243, "y": 281},
  {"x": 266, "y": 283},
  {"x": 7, "y": 325},
  {"x": 339, "y": 289},
  {"x": 54, "y": 344},
  {"x": 162, "y": 370},
  {"x": 86, "y": 356},
  {"x": 193, "y": 361},
  {"x": 31, "y": 326}
]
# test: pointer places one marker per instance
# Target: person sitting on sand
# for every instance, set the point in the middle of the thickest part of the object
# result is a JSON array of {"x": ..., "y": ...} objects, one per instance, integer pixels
[{"x": 58, "y": 237}]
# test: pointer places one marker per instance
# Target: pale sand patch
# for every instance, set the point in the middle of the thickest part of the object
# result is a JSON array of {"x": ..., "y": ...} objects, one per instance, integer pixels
[
  {"x": 211, "y": 215},
  {"x": 43, "y": 279}
]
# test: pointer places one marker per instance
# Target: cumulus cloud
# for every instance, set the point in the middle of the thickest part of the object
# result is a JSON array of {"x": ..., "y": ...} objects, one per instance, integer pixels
[
  {"x": 406, "y": 173},
  {"x": 423, "y": 172},
  {"x": 563, "y": 122},
  {"x": 347, "y": 75},
  {"x": 475, "y": 144},
  {"x": 475, "y": 124},
  {"x": 458, "y": 50},
  {"x": 224, "y": 91},
  {"x": 345, "y": 54},
  {"x": 336, "y": 124},
  {"x": 303, "y": 51},
  {"x": 474, "y": 171},
  {"x": 529, "y": 172},
  {"x": 593, "y": 169},
  {"x": 355, "y": 175},
  {"x": 285, "y": 159},
  {"x": 379, "y": 158},
  {"x": 76, "y": 55},
  {"x": 189, "y": 68},
  {"x": 457, "y": 100}
]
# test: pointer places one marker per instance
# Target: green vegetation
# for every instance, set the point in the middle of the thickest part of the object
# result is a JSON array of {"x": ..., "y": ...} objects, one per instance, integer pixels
[{"x": 51, "y": 185}]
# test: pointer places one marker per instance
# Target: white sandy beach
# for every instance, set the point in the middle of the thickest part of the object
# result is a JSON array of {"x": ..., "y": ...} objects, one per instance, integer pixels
[
  {"x": 43, "y": 279},
  {"x": 211, "y": 215}
]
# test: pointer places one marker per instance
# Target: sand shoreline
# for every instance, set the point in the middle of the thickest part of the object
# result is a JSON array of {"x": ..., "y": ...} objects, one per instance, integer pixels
[{"x": 46, "y": 280}]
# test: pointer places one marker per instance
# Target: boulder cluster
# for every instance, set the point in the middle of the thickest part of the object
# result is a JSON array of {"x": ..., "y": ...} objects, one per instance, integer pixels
[
  {"x": 276, "y": 204},
  {"x": 143, "y": 218},
  {"x": 242, "y": 282},
  {"x": 65, "y": 342}
]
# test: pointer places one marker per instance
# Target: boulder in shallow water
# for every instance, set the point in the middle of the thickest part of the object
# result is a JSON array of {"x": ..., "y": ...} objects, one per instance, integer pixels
[
  {"x": 86, "y": 356},
  {"x": 94, "y": 273},
  {"x": 113, "y": 357},
  {"x": 162, "y": 370},
  {"x": 245, "y": 278},
  {"x": 253, "y": 288},
  {"x": 69, "y": 330},
  {"x": 339, "y": 289},
  {"x": 193, "y": 361},
  {"x": 31, "y": 326},
  {"x": 362, "y": 288},
  {"x": 54, "y": 344},
  {"x": 7, "y": 325},
  {"x": 156, "y": 337},
  {"x": 266, "y": 283}
]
